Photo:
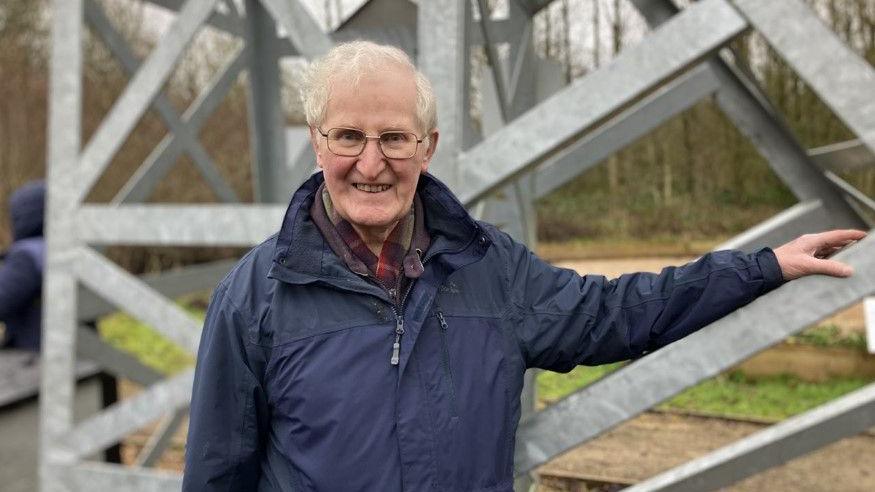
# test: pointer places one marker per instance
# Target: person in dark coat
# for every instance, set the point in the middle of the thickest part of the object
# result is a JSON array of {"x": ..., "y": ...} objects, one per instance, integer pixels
[
  {"x": 378, "y": 342},
  {"x": 21, "y": 272}
]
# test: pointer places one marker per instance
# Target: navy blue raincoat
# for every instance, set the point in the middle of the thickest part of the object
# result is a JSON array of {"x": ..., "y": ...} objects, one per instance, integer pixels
[
  {"x": 21, "y": 272},
  {"x": 294, "y": 389}
]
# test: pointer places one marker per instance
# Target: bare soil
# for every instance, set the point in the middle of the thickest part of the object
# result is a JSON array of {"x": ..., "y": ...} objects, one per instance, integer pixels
[{"x": 655, "y": 442}]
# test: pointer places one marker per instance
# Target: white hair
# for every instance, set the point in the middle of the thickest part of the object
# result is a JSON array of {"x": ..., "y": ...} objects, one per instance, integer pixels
[{"x": 353, "y": 60}]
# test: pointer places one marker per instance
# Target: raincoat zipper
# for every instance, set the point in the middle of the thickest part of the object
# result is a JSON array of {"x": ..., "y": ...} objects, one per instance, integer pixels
[{"x": 448, "y": 372}]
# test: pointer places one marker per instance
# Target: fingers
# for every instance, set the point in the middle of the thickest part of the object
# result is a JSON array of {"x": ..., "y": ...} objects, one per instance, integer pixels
[
  {"x": 830, "y": 267},
  {"x": 839, "y": 237}
]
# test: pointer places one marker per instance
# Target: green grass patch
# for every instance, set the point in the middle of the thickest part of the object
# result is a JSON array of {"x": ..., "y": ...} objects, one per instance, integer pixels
[
  {"x": 146, "y": 344},
  {"x": 830, "y": 336},
  {"x": 734, "y": 393}
]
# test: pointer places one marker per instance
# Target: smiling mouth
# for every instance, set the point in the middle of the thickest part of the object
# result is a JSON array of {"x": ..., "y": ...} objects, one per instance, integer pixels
[{"x": 371, "y": 188}]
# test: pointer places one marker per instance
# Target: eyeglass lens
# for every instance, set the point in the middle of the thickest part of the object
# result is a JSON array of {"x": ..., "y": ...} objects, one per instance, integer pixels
[{"x": 350, "y": 142}]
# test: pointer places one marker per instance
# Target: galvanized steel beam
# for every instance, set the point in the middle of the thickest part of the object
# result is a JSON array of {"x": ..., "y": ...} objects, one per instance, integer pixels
[
  {"x": 747, "y": 107},
  {"x": 638, "y": 120},
  {"x": 114, "y": 284},
  {"x": 840, "y": 77},
  {"x": 844, "y": 417},
  {"x": 171, "y": 284},
  {"x": 300, "y": 27},
  {"x": 90, "y": 346},
  {"x": 843, "y": 156},
  {"x": 138, "y": 95},
  {"x": 165, "y": 154},
  {"x": 183, "y": 225},
  {"x": 181, "y": 132},
  {"x": 266, "y": 119},
  {"x": 558, "y": 121},
  {"x": 102, "y": 476},
  {"x": 161, "y": 438},
  {"x": 59, "y": 284},
  {"x": 655, "y": 377},
  {"x": 802, "y": 218},
  {"x": 849, "y": 190},
  {"x": 109, "y": 426},
  {"x": 444, "y": 58},
  {"x": 224, "y": 22}
]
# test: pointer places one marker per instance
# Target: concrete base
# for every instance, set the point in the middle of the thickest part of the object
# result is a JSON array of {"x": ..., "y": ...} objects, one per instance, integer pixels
[{"x": 19, "y": 444}]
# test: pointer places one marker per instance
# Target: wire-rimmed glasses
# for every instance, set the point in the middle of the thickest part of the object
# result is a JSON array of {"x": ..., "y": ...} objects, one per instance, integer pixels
[{"x": 350, "y": 142}]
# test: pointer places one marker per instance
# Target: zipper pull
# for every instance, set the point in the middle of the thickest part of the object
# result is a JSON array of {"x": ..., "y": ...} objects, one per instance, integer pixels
[
  {"x": 396, "y": 347},
  {"x": 441, "y": 320}
]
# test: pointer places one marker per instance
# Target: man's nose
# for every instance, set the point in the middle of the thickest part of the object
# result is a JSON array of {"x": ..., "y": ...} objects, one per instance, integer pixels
[{"x": 371, "y": 161}]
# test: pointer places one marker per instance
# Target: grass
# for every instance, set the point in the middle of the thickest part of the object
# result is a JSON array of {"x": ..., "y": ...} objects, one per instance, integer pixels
[
  {"x": 830, "y": 336},
  {"x": 146, "y": 344},
  {"x": 732, "y": 394}
]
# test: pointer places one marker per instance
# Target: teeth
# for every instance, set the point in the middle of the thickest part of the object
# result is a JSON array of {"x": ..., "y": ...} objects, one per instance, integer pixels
[{"x": 372, "y": 188}]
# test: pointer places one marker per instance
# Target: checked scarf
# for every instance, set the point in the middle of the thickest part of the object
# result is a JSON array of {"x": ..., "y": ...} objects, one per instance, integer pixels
[{"x": 388, "y": 268}]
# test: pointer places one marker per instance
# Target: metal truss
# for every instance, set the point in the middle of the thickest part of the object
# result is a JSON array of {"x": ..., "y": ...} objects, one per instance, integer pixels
[{"x": 534, "y": 135}]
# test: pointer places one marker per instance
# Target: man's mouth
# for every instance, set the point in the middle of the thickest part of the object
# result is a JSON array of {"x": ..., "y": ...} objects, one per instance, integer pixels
[{"x": 371, "y": 188}]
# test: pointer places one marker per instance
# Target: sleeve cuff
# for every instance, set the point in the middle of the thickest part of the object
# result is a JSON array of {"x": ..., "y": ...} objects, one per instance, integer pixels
[{"x": 768, "y": 263}]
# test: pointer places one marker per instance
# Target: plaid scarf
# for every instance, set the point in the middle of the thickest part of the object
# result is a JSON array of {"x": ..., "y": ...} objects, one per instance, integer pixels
[{"x": 399, "y": 254}]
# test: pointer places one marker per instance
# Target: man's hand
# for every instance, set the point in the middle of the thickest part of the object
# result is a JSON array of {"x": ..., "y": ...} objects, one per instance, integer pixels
[{"x": 806, "y": 255}]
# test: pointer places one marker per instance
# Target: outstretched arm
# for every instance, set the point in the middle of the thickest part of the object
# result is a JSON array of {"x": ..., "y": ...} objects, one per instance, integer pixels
[{"x": 807, "y": 255}]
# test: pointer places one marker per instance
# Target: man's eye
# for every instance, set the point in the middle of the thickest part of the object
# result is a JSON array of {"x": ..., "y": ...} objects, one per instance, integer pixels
[
  {"x": 394, "y": 137},
  {"x": 349, "y": 136}
]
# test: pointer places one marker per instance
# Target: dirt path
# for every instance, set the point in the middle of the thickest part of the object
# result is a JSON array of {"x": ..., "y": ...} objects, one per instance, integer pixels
[{"x": 655, "y": 442}]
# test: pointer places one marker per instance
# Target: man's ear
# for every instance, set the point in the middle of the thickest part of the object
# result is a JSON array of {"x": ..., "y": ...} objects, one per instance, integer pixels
[{"x": 429, "y": 151}]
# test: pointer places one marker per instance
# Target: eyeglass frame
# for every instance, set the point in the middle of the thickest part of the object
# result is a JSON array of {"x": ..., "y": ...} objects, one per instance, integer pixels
[{"x": 371, "y": 137}]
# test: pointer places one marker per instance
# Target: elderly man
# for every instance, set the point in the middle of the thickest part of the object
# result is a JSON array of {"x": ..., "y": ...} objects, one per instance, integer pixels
[{"x": 379, "y": 340}]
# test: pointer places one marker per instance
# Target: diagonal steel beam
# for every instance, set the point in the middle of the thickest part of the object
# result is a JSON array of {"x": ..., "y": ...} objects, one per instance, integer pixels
[
  {"x": 633, "y": 123},
  {"x": 774, "y": 446},
  {"x": 851, "y": 155},
  {"x": 138, "y": 95},
  {"x": 300, "y": 27},
  {"x": 747, "y": 107},
  {"x": 165, "y": 154},
  {"x": 133, "y": 296},
  {"x": 161, "y": 438},
  {"x": 120, "y": 419},
  {"x": 533, "y": 6},
  {"x": 90, "y": 346},
  {"x": 802, "y": 218},
  {"x": 842, "y": 79},
  {"x": 105, "y": 476},
  {"x": 184, "y": 225},
  {"x": 224, "y": 22},
  {"x": 187, "y": 138},
  {"x": 655, "y": 377},
  {"x": 558, "y": 121},
  {"x": 170, "y": 284}
]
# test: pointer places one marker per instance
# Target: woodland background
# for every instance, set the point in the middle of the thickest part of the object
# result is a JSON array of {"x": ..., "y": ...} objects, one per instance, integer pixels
[{"x": 694, "y": 178}]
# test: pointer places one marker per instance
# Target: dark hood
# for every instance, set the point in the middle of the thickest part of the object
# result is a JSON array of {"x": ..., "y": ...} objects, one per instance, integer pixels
[{"x": 27, "y": 207}]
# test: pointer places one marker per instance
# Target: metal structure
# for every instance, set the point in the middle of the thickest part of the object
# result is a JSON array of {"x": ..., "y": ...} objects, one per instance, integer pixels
[{"x": 534, "y": 136}]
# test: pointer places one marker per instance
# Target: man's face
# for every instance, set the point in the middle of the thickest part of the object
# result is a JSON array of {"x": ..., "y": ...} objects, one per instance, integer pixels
[{"x": 370, "y": 190}]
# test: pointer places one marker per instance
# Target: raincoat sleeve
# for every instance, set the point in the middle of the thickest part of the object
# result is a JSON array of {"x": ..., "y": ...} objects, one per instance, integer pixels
[
  {"x": 227, "y": 430},
  {"x": 20, "y": 283},
  {"x": 564, "y": 319}
]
